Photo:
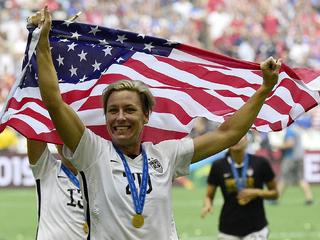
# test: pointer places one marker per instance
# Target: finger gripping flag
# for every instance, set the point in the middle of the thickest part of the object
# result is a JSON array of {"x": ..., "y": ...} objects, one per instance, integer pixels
[{"x": 187, "y": 82}]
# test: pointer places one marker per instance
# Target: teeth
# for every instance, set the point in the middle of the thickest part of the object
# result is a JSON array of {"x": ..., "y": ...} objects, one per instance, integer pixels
[{"x": 121, "y": 128}]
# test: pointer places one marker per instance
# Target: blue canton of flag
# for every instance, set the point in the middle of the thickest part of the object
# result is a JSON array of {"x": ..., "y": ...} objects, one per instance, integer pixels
[{"x": 82, "y": 52}]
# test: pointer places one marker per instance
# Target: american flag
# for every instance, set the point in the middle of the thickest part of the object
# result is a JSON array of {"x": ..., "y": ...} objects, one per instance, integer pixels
[{"x": 187, "y": 82}]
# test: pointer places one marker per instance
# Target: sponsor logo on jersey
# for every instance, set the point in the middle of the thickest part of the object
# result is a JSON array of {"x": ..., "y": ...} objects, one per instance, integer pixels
[{"x": 155, "y": 164}]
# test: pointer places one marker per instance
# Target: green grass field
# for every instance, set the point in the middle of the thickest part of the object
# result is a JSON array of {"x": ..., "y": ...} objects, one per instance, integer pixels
[{"x": 289, "y": 220}]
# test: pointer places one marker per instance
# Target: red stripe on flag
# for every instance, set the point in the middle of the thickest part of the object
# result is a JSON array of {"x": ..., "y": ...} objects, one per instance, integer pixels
[
  {"x": 298, "y": 95},
  {"x": 25, "y": 129},
  {"x": 14, "y": 104},
  {"x": 217, "y": 58},
  {"x": 210, "y": 76},
  {"x": 308, "y": 75}
]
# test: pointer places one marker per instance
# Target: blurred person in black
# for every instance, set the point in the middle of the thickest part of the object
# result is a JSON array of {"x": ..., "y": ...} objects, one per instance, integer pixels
[{"x": 241, "y": 177}]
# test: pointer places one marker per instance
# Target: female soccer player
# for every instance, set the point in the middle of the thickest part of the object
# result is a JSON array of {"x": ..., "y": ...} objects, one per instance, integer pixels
[{"x": 127, "y": 183}]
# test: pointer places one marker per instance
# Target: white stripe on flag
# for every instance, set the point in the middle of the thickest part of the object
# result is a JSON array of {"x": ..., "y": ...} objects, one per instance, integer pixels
[{"x": 36, "y": 125}]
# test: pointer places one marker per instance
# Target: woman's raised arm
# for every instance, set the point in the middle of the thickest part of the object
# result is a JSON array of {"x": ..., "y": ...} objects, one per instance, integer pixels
[
  {"x": 233, "y": 129},
  {"x": 65, "y": 120}
]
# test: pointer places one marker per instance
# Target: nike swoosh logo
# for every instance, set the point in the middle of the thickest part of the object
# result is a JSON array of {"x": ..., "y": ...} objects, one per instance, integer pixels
[
  {"x": 113, "y": 161},
  {"x": 61, "y": 177}
]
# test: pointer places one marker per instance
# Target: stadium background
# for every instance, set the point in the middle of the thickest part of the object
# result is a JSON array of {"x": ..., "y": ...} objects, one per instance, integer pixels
[{"x": 246, "y": 29}]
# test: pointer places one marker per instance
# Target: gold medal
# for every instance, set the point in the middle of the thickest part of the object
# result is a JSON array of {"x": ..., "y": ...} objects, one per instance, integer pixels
[
  {"x": 86, "y": 228},
  {"x": 137, "y": 220}
]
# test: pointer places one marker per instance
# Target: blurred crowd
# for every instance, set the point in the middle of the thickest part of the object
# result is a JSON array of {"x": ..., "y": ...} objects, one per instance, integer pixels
[{"x": 246, "y": 29}]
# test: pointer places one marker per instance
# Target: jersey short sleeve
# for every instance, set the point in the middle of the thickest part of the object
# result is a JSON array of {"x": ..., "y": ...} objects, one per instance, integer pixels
[
  {"x": 180, "y": 152},
  {"x": 47, "y": 162},
  {"x": 268, "y": 173},
  {"x": 90, "y": 147},
  {"x": 213, "y": 177}
]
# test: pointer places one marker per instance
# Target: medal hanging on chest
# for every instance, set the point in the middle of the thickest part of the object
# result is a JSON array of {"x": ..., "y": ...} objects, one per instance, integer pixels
[
  {"x": 137, "y": 220},
  {"x": 86, "y": 228},
  {"x": 138, "y": 199},
  {"x": 240, "y": 182}
]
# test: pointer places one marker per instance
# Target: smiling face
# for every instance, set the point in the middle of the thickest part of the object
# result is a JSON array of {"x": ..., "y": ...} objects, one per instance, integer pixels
[{"x": 125, "y": 119}]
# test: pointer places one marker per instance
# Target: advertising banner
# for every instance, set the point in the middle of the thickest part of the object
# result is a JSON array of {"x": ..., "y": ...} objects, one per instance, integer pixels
[{"x": 15, "y": 171}]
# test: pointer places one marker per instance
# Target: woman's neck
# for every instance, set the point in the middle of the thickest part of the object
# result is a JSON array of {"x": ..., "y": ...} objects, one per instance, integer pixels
[
  {"x": 237, "y": 156},
  {"x": 130, "y": 150}
]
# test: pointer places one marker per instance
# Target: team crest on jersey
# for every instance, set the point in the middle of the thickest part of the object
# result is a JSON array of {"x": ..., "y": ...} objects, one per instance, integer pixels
[{"x": 155, "y": 164}]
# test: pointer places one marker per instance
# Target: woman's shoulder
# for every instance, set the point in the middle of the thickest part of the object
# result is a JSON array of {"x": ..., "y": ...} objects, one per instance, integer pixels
[{"x": 92, "y": 134}]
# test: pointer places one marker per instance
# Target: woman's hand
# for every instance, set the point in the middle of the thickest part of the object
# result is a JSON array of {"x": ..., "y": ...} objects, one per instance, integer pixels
[
  {"x": 207, "y": 208},
  {"x": 42, "y": 19},
  {"x": 247, "y": 194},
  {"x": 270, "y": 70},
  {"x": 34, "y": 20}
]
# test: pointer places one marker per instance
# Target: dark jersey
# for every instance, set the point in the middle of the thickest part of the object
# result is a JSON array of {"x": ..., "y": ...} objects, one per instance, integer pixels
[{"x": 235, "y": 219}]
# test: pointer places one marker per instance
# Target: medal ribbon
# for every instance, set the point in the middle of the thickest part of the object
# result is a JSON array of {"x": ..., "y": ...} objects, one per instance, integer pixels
[
  {"x": 138, "y": 201},
  {"x": 241, "y": 184},
  {"x": 71, "y": 176}
]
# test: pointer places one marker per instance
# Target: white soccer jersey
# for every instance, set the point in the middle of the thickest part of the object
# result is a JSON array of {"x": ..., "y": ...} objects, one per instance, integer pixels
[
  {"x": 60, "y": 204},
  {"x": 109, "y": 198}
]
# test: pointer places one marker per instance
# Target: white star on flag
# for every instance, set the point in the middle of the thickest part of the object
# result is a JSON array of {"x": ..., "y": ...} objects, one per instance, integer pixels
[
  {"x": 121, "y": 38},
  {"x": 83, "y": 78},
  {"x": 141, "y": 35},
  {"x": 94, "y": 30},
  {"x": 120, "y": 59},
  {"x": 82, "y": 55},
  {"x": 71, "y": 46},
  {"x": 107, "y": 51},
  {"x": 103, "y": 42},
  {"x": 64, "y": 40},
  {"x": 96, "y": 66},
  {"x": 148, "y": 46},
  {"x": 67, "y": 22},
  {"x": 60, "y": 60},
  {"x": 169, "y": 42},
  {"x": 76, "y": 35},
  {"x": 73, "y": 70}
]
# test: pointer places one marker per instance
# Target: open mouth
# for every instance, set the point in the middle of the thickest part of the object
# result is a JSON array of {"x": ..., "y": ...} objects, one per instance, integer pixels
[{"x": 121, "y": 128}]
